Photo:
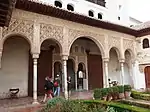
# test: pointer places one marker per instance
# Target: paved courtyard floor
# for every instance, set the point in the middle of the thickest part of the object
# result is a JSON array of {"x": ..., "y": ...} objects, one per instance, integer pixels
[{"x": 25, "y": 104}]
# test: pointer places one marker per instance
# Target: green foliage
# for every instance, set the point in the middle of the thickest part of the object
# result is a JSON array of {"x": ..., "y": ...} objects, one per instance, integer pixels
[
  {"x": 110, "y": 91},
  {"x": 127, "y": 88},
  {"x": 54, "y": 101},
  {"x": 97, "y": 94},
  {"x": 120, "y": 88},
  {"x": 140, "y": 95},
  {"x": 117, "y": 106},
  {"x": 115, "y": 89},
  {"x": 104, "y": 92}
]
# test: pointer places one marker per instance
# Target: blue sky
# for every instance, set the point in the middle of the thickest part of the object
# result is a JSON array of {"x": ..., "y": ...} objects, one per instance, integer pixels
[{"x": 140, "y": 9}]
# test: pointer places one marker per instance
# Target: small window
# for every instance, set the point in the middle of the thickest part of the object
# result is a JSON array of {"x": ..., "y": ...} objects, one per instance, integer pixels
[
  {"x": 91, "y": 13},
  {"x": 118, "y": 18},
  {"x": 58, "y": 4},
  {"x": 145, "y": 43},
  {"x": 70, "y": 7},
  {"x": 120, "y": 7},
  {"x": 100, "y": 16}
]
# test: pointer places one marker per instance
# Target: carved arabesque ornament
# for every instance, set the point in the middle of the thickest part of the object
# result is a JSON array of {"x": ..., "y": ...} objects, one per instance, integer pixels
[
  {"x": 77, "y": 33},
  {"x": 51, "y": 31},
  {"x": 20, "y": 27},
  {"x": 128, "y": 44},
  {"x": 114, "y": 42}
]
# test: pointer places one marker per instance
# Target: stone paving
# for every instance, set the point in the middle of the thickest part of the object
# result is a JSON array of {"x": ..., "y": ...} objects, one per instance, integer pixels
[{"x": 25, "y": 104}]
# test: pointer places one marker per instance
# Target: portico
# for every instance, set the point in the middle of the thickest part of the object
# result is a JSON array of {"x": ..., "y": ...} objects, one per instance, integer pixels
[{"x": 32, "y": 49}]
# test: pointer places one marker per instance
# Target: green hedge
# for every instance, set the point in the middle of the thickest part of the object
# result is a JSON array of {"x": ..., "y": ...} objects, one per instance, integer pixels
[
  {"x": 140, "y": 95},
  {"x": 119, "y": 107}
]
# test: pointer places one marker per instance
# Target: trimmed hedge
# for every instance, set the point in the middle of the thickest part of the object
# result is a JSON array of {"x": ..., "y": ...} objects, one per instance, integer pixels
[
  {"x": 119, "y": 107},
  {"x": 140, "y": 95}
]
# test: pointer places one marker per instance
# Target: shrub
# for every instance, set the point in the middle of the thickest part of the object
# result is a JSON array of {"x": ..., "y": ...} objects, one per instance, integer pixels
[
  {"x": 52, "y": 102},
  {"x": 104, "y": 92},
  {"x": 121, "y": 89},
  {"x": 127, "y": 88},
  {"x": 140, "y": 95},
  {"x": 110, "y": 91},
  {"x": 97, "y": 94},
  {"x": 115, "y": 89}
]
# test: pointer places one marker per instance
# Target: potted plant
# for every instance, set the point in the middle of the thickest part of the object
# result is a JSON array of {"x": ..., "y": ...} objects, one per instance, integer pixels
[
  {"x": 127, "y": 90},
  {"x": 115, "y": 92},
  {"x": 97, "y": 94},
  {"x": 109, "y": 95},
  {"x": 104, "y": 92},
  {"x": 121, "y": 91}
]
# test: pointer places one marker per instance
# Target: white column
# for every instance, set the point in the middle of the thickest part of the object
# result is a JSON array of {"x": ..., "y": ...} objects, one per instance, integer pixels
[
  {"x": 65, "y": 58},
  {"x": 134, "y": 75},
  {"x": 35, "y": 57},
  {"x": 76, "y": 81},
  {"x": 106, "y": 83},
  {"x": 122, "y": 71}
]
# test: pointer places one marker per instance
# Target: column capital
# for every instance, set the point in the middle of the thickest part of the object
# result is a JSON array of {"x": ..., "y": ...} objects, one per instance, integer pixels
[
  {"x": 64, "y": 57},
  {"x": 121, "y": 60},
  {"x": 105, "y": 59},
  {"x": 35, "y": 55}
]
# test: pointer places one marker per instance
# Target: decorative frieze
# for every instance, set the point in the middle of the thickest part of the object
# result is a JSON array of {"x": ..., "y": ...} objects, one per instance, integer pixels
[
  {"x": 18, "y": 26},
  {"x": 51, "y": 31}
]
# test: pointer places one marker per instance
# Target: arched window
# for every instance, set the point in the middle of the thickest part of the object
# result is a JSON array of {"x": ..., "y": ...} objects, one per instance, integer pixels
[
  {"x": 58, "y": 4},
  {"x": 82, "y": 49},
  {"x": 100, "y": 16},
  {"x": 145, "y": 43},
  {"x": 91, "y": 13},
  {"x": 70, "y": 7}
]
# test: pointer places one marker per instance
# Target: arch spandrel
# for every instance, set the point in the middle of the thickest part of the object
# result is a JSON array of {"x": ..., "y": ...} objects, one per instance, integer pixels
[
  {"x": 96, "y": 38},
  {"x": 51, "y": 32},
  {"x": 18, "y": 27}
]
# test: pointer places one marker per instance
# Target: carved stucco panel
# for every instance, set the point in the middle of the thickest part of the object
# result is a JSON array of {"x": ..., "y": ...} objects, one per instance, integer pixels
[
  {"x": 21, "y": 27},
  {"x": 51, "y": 31},
  {"x": 114, "y": 42},
  {"x": 73, "y": 34},
  {"x": 128, "y": 44}
]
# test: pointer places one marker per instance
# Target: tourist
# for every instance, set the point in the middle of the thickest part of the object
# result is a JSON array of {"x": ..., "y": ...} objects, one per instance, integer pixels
[
  {"x": 57, "y": 86},
  {"x": 48, "y": 89},
  {"x": 69, "y": 86}
]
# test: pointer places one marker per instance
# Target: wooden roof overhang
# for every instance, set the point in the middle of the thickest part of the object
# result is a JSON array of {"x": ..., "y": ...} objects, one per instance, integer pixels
[{"x": 6, "y": 7}]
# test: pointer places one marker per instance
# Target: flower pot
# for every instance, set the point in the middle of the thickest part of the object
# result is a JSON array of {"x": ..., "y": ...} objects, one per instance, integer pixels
[
  {"x": 109, "y": 98},
  {"x": 121, "y": 95},
  {"x": 127, "y": 94},
  {"x": 105, "y": 98}
]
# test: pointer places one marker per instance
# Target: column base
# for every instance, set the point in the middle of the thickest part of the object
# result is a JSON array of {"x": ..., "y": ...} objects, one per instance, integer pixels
[{"x": 35, "y": 102}]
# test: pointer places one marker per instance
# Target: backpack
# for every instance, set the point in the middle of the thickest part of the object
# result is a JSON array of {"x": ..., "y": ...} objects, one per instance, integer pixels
[{"x": 56, "y": 84}]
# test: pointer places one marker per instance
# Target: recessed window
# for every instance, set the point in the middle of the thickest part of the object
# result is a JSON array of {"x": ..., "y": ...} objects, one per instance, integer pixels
[
  {"x": 120, "y": 7},
  {"x": 145, "y": 43},
  {"x": 91, "y": 13},
  {"x": 76, "y": 48},
  {"x": 70, "y": 7},
  {"x": 118, "y": 18},
  {"x": 58, "y": 4},
  {"x": 100, "y": 16}
]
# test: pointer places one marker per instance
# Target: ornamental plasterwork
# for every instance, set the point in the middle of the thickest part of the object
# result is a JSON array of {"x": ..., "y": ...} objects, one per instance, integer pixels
[
  {"x": 113, "y": 42},
  {"x": 20, "y": 27},
  {"x": 128, "y": 44},
  {"x": 51, "y": 31},
  {"x": 77, "y": 33}
]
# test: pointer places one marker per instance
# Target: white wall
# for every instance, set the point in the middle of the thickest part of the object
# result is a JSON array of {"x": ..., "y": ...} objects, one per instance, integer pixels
[
  {"x": 114, "y": 67},
  {"x": 14, "y": 71},
  {"x": 110, "y": 13}
]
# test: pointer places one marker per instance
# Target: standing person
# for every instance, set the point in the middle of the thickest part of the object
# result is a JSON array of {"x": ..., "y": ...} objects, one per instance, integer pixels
[
  {"x": 48, "y": 88},
  {"x": 69, "y": 86},
  {"x": 57, "y": 86}
]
